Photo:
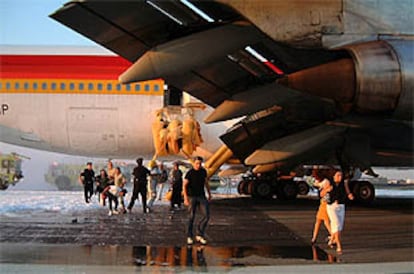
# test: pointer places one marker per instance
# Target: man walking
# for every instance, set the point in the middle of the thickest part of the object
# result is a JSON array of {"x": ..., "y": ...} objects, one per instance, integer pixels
[
  {"x": 140, "y": 174},
  {"x": 194, "y": 196},
  {"x": 86, "y": 178}
]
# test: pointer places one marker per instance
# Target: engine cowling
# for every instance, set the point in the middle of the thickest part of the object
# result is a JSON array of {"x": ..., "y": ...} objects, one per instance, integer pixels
[
  {"x": 378, "y": 78},
  {"x": 384, "y": 77}
]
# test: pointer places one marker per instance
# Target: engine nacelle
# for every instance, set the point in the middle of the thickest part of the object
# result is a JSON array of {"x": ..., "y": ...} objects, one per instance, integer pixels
[
  {"x": 377, "y": 78},
  {"x": 384, "y": 77}
]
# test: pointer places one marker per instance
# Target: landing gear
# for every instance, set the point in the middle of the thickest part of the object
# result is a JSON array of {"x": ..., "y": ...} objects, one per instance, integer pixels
[
  {"x": 303, "y": 188},
  {"x": 364, "y": 192},
  {"x": 287, "y": 190},
  {"x": 267, "y": 188},
  {"x": 263, "y": 190}
]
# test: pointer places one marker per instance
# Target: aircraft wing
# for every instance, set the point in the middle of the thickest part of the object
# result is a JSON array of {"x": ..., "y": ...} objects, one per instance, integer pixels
[
  {"x": 205, "y": 57},
  {"x": 211, "y": 51}
]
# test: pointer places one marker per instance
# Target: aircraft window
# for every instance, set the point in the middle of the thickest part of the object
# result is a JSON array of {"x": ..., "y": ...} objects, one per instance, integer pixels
[
  {"x": 53, "y": 86},
  {"x": 8, "y": 85},
  {"x": 99, "y": 86},
  {"x": 1, "y": 86},
  {"x": 137, "y": 87},
  {"x": 34, "y": 86},
  {"x": 109, "y": 87},
  {"x": 147, "y": 87},
  {"x": 81, "y": 86},
  {"x": 118, "y": 87},
  {"x": 62, "y": 86},
  {"x": 71, "y": 86},
  {"x": 156, "y": 88},
  {"x": 16, "y": 85},
  {"x": 26, "y": 85},
  {"x": 128, "y": 87},
  {"x": 90, "y": 86},
  {"x": 44, "y": 86}
]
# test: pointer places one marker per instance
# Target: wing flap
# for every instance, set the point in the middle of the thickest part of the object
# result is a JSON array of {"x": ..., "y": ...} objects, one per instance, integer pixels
[
  {"x": 130, "y": 28},
  {"x": 293, "y": 145}
]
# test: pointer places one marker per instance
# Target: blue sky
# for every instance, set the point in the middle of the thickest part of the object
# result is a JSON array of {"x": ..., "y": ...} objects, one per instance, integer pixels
[{"x": 26, "y": 22}]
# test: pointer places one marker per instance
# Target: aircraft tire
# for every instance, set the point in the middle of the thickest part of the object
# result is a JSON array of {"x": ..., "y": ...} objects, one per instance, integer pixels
[
  {"x": 286, "y": 190},
  {"x": 262, "y": 190},
  {"x": 303, "y": 188},
  {"x": 250, "y": 188},
  {"x": 63, "y": 183},
  {"x": 364, "y": 192},
  {"x": 241, "y": 187}
]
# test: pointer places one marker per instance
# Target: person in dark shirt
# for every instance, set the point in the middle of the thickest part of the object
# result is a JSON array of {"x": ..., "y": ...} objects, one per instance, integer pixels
[
  {"x": 194, "y": 196},
  {"x": 177, "y": 186},
  {"x": 102, "y": 181},
  {"x": 86, "y": 178},
  {"x": 140, "y": 174},
  {"x": 338, "y": 192}
]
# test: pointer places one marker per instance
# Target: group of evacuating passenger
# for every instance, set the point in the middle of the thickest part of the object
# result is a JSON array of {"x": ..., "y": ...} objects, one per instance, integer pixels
[
  {"x": 110, "y": 185},
  {"x": 333, "y": 192}
]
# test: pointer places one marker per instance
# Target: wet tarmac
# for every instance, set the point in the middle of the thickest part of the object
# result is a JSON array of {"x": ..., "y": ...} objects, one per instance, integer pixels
[
  {"x": 188, "y": 256},
  {"x": 242, "y": 233}
]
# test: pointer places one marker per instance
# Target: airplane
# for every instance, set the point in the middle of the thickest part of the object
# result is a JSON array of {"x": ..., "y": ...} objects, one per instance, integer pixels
[
  {"x": 310, "y": 81},
  {"x": 71, "y": 102}
]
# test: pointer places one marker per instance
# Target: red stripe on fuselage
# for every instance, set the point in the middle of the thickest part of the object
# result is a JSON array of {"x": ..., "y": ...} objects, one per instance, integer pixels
[{"x": 62, "y": 67}]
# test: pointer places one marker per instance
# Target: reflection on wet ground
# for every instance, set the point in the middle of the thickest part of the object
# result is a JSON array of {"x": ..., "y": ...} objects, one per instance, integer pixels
[{"x": 196, "y": 257}]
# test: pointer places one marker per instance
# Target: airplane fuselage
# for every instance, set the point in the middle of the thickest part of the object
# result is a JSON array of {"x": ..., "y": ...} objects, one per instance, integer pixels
[{"x": 75, "y": 105}]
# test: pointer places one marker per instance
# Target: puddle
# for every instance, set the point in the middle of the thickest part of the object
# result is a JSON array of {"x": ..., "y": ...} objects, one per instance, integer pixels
[{"x": 196, "y": 256}]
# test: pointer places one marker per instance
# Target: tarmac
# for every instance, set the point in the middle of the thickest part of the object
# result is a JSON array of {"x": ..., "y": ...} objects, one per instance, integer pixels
[{"x": 245, "y": 236}]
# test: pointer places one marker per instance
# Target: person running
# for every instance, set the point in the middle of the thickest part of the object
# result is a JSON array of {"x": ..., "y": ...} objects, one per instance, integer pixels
[
  {"x": 154, "y": 178},
  {"x": 338, "y": 192},
  {"x": 119, "y": 181},
  {"x": 111, "y": 172},
  {"x": 162, "y": 180},
  {"x": 195, "y": 182},
  {"x": 102, "y": 181},
  {"x": 86, "y": 178},
  {"x": 177, "y": 186},
  {"x": 140, "y": 174}
]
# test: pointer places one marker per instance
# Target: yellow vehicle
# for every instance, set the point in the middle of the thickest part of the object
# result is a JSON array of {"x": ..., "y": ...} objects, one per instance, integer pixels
[
  {"x": 65, "y": 176},
  {"x": 10, "y": 169}
]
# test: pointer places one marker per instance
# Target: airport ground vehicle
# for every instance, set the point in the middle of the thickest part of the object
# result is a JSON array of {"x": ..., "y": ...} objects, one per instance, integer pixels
[
  {"x": 65, "y": 176},
  {"x": 287, "y": 187},
  {"x": 10, "y": 169}
]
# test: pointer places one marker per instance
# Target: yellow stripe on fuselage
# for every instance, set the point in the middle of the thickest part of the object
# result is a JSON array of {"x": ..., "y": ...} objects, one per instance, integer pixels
[{"x": 81, "y": 86}]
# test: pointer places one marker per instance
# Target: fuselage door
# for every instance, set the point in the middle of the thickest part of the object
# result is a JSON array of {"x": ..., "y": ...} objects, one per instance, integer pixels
[{"x": 93, "y": 129}]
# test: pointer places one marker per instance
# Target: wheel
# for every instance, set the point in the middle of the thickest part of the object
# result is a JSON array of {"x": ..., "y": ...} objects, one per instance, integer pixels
[
  {"x": 303, "y": 188},
  {"x": 287, "y": 190},
  {"x": 262, "y": 189},
  {"x": 364, "y": 192},
  {"x": 250, "y": 188},
  {"x": 240, "y": 187},
  {"x": 3, "y": 185},
  {"x": 63, "y": 183}
]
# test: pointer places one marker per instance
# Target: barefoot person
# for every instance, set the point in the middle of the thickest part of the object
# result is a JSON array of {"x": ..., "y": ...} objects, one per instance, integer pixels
[
  {"x": 338, "y": 192},
  {"x": 322, "y": 215}
]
